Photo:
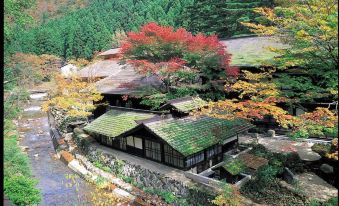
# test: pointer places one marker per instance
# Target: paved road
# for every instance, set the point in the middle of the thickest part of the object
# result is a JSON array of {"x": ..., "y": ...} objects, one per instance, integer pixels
[{"x": 57, "y": 189}]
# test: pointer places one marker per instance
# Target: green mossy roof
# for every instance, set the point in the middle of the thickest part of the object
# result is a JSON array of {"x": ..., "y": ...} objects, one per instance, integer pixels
[
  {"x": 252, "y": 51},
  {"x": 189, "y": 105},
  {"x": 191, "y": 135},
  {"x": 234, "y": 166},
  {"x": 115, "y": 122}
]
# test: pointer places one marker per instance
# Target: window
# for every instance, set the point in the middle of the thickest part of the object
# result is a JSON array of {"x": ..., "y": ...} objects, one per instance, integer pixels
[
  {"x": 106, "y": 140},
  {"x": 153, "y": 150},
  {"x": 134, "y": 142},
  {"x": 173, "y": 157},
  {"x": 213, "y": 151},
  {"x": 123, "y": 143},
  {"x": 194, "y": 159},
  {"x": 130, "y": 141}
]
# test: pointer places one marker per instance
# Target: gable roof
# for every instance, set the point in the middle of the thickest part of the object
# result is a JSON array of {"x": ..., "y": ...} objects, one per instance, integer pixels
[
  {"x": 116, "y": 122},
  {"x": 126, "y": 81},
  {"x": 252, "y": 51},
  {"x": 100, "y": 69},
  {"x": 252, "y": 161},
  {"x": 190, "y": 135},
  {"x": 185, "y": 104}
]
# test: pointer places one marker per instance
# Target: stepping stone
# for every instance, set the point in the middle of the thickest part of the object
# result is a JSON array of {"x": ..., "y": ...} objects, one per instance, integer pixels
[
  {"x": 328, "y": 169},
  {"x": 315, "y": 187},
  {"x": 306, "y": 154}
]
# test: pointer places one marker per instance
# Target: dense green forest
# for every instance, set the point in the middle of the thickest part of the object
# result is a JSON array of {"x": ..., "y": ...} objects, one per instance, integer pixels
[
  {"x": 82, "y": 32},
  {"x": 222, "y": 17},
  {"x": 79, "y": 33}
]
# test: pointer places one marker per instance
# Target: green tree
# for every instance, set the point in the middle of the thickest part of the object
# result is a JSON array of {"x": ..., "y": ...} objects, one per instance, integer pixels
[
  {"x": 221, "y": 17},
  {"x": 310, "y": 28}
]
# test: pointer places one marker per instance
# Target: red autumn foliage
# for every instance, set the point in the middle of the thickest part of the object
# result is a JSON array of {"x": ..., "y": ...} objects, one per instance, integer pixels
[
  {"x": 161, "y": 48},
  {"x": 170, "y": 66}
]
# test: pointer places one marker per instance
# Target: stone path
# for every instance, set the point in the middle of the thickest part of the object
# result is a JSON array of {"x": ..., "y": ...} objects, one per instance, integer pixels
[
  {"x": 316, "y": 188},
  {"x": 285, "y": 146}
]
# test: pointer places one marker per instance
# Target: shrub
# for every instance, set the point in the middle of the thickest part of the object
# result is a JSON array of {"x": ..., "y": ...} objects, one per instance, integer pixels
[
  {"x": 279, "y": 160},
  {"x": 19, "y": 186},
  {"x": 229, "y": 197},
  {"x": 168, "y": 197},
  {"x": 331, "y": 202},
  {"x": 321, "y": 149},
  {"x": 21, "y": 190},
  {"x": 266, "y": 176},
  {"x": 333, "y": 153},
  {"x": 302, "y": 133}
]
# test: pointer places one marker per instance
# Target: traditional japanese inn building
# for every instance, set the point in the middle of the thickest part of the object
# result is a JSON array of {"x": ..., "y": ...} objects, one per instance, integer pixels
[{"x": 190, "y": 142}]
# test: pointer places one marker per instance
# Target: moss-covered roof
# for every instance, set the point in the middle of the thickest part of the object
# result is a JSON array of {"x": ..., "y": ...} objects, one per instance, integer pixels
[
  {"x": 190, "y": 135},
  {"x": 234, "y": 166},
  {"x": 252, "y": 51},
  {"x": 186, "y": 104},
  {"x": 189, "y": 105},
  {"x": 115, "y": 122}
]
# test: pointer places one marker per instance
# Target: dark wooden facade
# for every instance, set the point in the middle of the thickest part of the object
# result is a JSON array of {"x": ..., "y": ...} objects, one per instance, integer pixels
[{"x": 144, "y": 144}]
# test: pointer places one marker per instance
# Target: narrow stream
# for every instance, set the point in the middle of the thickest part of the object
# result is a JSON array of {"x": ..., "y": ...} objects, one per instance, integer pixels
[{"x": 53, "y": 175}]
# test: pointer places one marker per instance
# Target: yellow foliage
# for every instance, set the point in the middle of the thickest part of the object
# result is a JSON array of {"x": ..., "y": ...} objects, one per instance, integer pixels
[
  {"x": 334, "y": 150},
  {"x": 79, "y": 62},
  {"x": 256, "y": 86},
  {"x": 73, "y": 96}
]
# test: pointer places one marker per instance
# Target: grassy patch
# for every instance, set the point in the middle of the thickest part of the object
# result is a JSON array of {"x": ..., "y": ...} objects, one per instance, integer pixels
[
  {"x": 19, "y": 186},
  {"x": 331, "y": 202}
]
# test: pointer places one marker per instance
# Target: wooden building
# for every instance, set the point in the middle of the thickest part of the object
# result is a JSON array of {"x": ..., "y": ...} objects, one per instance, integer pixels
[
  {"x": 188, "y": 143},
  {"x": 110, "y": 54}
]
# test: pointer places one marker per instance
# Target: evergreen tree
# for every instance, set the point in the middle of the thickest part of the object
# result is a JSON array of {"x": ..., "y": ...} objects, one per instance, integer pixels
[
  {"x": 82, "y": 32},
  {"x": 221, "y": 17}
]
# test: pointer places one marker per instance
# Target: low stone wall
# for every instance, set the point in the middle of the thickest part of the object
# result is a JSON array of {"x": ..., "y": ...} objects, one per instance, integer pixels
[{"x": 145, "y": 179}]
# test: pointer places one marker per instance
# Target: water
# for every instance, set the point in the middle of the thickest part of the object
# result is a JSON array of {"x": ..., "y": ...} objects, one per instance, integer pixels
[
  {"x": 38, "y": 96},
  {"x": 54, "y": 176},
  {"x": 33, "y": 108}
]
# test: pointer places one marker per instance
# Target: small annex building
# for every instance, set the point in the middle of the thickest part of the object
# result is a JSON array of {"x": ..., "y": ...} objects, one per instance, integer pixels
[
  {"x": 110, "y": 54},
  {"x": 99, "y": 70},
  {"x": 188, "y": 143},
  {"x": 183, "y": 106}
]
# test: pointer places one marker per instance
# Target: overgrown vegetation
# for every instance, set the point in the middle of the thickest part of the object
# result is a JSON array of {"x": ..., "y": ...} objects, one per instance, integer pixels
[
  {"x": 230, "y": 196},
  {"x": 19, "y": 185},
  {"x": 265, "y": 187},
  {"x": 331, "y": 202}
]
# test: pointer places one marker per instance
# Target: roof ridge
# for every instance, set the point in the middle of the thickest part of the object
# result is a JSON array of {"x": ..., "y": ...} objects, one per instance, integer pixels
[
  {"x": 155, "y": 119},
  {"x": 135, "y": 110}
]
